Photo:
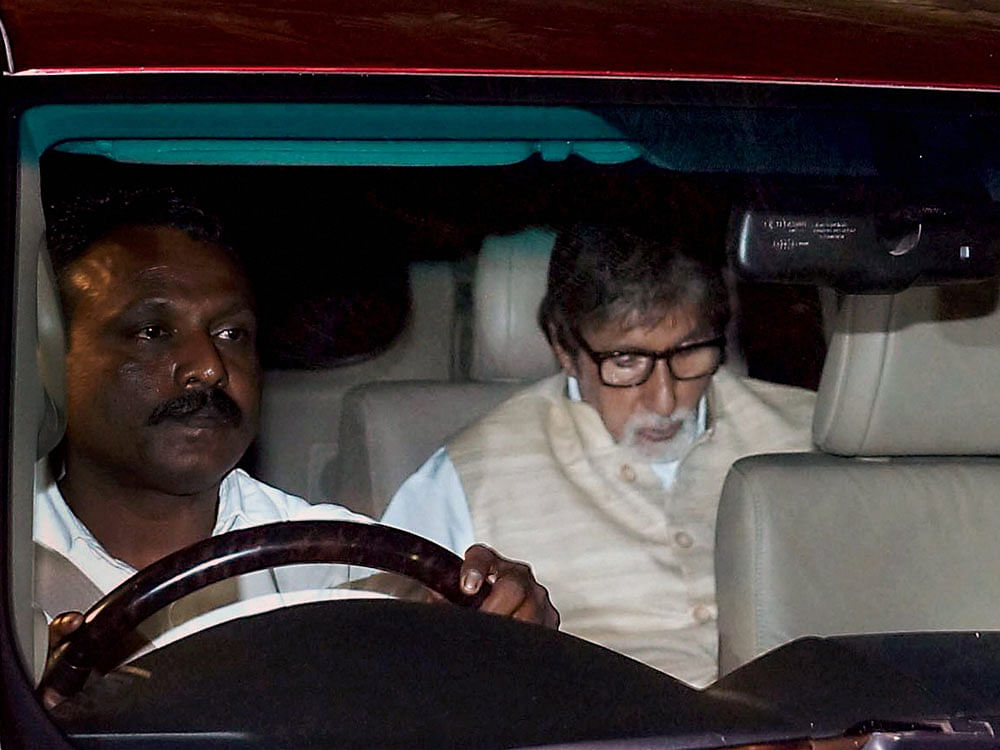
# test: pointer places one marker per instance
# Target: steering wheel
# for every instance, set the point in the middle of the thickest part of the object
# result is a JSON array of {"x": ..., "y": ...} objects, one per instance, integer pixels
[
  {"x": 357, "y": 673},
  {"x": 100, "y": 643}
]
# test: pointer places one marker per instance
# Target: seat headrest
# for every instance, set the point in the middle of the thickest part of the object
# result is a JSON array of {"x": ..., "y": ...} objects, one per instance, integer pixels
[
  {"x": 913, "y": 373},
  {"x": 50, "y": 352},
  {"x": 509, "y": 284}
]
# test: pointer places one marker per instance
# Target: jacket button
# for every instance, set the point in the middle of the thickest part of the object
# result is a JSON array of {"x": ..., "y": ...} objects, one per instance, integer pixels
[
  {"x": 628, "y": 473},
  {"x": 703, "y": 613},
  {"x": 683, "y": 539}
]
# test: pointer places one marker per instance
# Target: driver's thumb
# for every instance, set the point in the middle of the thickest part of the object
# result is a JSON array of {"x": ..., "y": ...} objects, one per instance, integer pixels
[
  {"x": 59, "y": 629},
  {"x": 62, "y": 626}
]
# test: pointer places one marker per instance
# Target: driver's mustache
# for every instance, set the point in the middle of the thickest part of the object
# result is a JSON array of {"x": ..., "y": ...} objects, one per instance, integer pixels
[{"x": 211, "y": 400}]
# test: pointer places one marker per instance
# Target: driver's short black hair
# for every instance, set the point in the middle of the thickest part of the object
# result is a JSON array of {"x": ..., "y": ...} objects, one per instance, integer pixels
[{"x": 75, "y": 224}]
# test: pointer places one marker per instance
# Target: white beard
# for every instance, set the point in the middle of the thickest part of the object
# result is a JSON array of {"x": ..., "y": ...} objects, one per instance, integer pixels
[{"x": 661, "y": 451}]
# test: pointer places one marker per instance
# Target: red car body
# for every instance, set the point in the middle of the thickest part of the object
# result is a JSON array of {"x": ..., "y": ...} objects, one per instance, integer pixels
[{"x": 931, "y": 43}]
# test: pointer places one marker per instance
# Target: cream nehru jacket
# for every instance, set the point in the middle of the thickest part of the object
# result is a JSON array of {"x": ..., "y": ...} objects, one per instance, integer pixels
[{"x": 627, "y": 562}]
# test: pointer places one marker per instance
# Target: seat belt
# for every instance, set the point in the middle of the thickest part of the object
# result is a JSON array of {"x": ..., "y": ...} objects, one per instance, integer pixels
[{"x": 60, "y": 586}]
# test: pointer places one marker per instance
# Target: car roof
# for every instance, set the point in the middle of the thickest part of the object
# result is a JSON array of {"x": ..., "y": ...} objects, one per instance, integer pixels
[{"x": 939, "y": 43}]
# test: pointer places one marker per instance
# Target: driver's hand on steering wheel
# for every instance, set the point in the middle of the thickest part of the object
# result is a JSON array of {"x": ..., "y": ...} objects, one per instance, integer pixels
[
  {"x": 515, "y": 592},
  {"x": 60, "y": 627}
]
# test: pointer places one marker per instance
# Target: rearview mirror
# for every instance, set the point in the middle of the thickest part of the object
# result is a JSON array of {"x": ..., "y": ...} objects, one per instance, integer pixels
[{"x": 867, "y": 253}]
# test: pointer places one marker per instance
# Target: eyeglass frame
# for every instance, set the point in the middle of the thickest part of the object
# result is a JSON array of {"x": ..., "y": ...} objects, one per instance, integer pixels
[{"x": 599, "y": 358}]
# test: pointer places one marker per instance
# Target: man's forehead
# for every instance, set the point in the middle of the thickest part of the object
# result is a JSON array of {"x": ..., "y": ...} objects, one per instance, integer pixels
[
  {"x": 681, "y": 321},
  {"x": 155, "y": 260}
]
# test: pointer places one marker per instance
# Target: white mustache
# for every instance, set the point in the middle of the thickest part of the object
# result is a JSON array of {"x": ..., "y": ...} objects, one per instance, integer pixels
[{"x": 645, "y": 420}]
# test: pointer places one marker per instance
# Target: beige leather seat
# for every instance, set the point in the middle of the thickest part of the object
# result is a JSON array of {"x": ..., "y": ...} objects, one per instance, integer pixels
[
  {"x": 898, "y": 530},
  {"x": 388, "y": 430},
  {"x": 300, "y": 409}
]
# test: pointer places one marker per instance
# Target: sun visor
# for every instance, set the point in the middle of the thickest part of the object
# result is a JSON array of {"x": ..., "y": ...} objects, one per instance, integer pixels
[
  {"x": 326, "y": 134},
  {"x": 867, "y": 252}
]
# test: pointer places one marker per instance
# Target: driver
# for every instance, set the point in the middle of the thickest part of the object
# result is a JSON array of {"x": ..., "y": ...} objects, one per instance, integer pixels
[
  {"x": 607, "y": 476},
  {"x": 163, "y": 387}
]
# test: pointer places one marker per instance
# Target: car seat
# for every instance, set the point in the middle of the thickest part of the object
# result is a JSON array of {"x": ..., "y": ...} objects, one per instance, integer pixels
[
  {"x": 297, "y": 445},
  {"x": 893, "y": 526},
  {"x": 388, "y": 430}
]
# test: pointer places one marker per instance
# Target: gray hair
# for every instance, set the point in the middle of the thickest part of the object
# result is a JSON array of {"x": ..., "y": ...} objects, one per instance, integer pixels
[{"x": 600, "y": 274}]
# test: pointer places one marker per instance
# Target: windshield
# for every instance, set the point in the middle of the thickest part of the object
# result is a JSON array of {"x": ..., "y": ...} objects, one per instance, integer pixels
[{"x": 561, "y": 321}]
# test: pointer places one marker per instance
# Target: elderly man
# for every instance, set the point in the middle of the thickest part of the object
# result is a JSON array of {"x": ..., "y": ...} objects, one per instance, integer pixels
[
  {"x": 607, "y": 476},
  {"x": 163, "y": 386}
]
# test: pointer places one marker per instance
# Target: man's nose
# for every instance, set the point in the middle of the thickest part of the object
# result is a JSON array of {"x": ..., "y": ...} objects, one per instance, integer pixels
[
  {"x": 199, "y": 363},
  {"x": 659, "y": 394}
]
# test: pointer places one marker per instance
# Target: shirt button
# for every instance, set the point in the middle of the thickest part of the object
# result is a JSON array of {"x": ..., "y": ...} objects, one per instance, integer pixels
[
  {"x": 683, "y": 539},
  {"x": 628, "y": 473},
  {"x": 703, "y": 613}
]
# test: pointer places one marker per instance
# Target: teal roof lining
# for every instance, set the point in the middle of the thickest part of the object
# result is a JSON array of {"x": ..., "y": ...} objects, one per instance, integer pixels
[
  {"x": 325, "y": 134},
  {"x": 354, "y": 153},
  {"x": 681, "y": 138}
]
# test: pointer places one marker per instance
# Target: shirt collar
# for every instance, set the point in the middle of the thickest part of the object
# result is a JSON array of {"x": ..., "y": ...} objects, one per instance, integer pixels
[
  {"x": 232, "y": 504},
  {"x": 54, "y": 523},
  {"x": 58, "y": 527}
]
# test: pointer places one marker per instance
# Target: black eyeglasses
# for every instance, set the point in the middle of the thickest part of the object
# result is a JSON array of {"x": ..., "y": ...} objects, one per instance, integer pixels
[{"x": 627, "y": 368}]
